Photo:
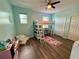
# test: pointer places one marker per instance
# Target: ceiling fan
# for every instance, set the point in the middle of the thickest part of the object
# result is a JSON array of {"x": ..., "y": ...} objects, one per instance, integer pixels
[{"x": 51, "y": 4}]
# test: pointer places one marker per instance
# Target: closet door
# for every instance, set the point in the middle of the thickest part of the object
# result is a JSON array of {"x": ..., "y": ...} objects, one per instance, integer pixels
[
  {"x": 74, "y": 28},
  {"x": 59, "y": 25}
]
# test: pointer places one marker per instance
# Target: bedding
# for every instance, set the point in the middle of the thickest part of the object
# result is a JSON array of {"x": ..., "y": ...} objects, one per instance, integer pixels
[{"x": 23, "y": 38}]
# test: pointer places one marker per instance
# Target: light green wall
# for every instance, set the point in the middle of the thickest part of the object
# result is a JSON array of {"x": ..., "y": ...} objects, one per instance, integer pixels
[
  {"x": 67, "y": 14},
  {"x": 6, "y": 30},
  {"x": 32, "y": 15}
]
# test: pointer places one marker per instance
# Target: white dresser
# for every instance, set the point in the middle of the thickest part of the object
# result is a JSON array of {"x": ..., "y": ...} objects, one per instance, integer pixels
[{"x": 75, "y": 51}]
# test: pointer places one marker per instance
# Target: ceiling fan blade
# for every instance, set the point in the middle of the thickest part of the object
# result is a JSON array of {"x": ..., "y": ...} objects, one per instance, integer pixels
[
  {"x": 55, "y": 2},
  {"x": 53, "y": 6}
]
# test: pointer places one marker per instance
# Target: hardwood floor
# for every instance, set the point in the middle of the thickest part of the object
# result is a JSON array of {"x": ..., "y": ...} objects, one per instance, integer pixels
[{"x": 35, "y": 50}]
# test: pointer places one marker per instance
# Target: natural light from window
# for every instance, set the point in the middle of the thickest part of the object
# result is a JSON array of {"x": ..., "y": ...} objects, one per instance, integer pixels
[
  {"x": 23, "y": 18},
  {"x": 45, "y": 19},
  {"x": 4, "y": 18}
]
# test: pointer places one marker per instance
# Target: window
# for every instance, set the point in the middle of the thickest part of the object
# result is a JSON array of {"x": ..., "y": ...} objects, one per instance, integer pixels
[
  {"x": 23, "y": 18},
  {"x": 45, "y": 18},
  {"x": 4, "y": 18}
]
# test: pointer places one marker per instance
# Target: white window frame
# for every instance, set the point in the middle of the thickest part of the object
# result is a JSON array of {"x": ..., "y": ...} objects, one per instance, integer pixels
[{"x": 23, "y": 18}]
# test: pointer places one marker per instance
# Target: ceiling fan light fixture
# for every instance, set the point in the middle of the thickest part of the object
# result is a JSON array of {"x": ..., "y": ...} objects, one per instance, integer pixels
[{"x": 49, "y": 6}]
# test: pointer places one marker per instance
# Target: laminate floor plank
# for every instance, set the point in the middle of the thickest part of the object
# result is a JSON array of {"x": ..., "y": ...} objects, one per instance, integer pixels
[{"x": 36, "y": 50}]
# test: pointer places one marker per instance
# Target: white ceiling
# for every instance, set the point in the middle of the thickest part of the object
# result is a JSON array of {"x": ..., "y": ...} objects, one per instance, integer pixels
[{"x": 39, "y": 5}]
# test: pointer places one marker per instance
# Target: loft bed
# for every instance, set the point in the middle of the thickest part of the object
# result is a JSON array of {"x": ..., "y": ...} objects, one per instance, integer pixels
[{"x": 42, "y": 28}]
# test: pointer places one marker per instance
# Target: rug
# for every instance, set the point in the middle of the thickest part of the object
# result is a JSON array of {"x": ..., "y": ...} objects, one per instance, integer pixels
[{"x": 52, "y": 41}]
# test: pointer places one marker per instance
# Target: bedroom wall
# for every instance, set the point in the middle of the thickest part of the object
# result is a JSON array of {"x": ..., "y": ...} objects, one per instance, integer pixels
[
  {"x": 32, "y": 15},
  {"x": 67, "y": 23},
  {"x": 6, "y": 29}
]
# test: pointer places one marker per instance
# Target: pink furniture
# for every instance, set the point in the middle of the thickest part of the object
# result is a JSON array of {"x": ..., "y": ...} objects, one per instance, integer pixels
[
  {"x": 5, "y": 54},
  {"x": 9, "y": 53}
]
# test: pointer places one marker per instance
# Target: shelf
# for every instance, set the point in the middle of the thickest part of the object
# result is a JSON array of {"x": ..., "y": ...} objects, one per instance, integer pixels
[{"x": 38, "y": 30}]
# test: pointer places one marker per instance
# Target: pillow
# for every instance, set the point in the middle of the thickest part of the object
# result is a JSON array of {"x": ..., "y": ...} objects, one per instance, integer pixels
[{"x": 20, "y": 36}]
